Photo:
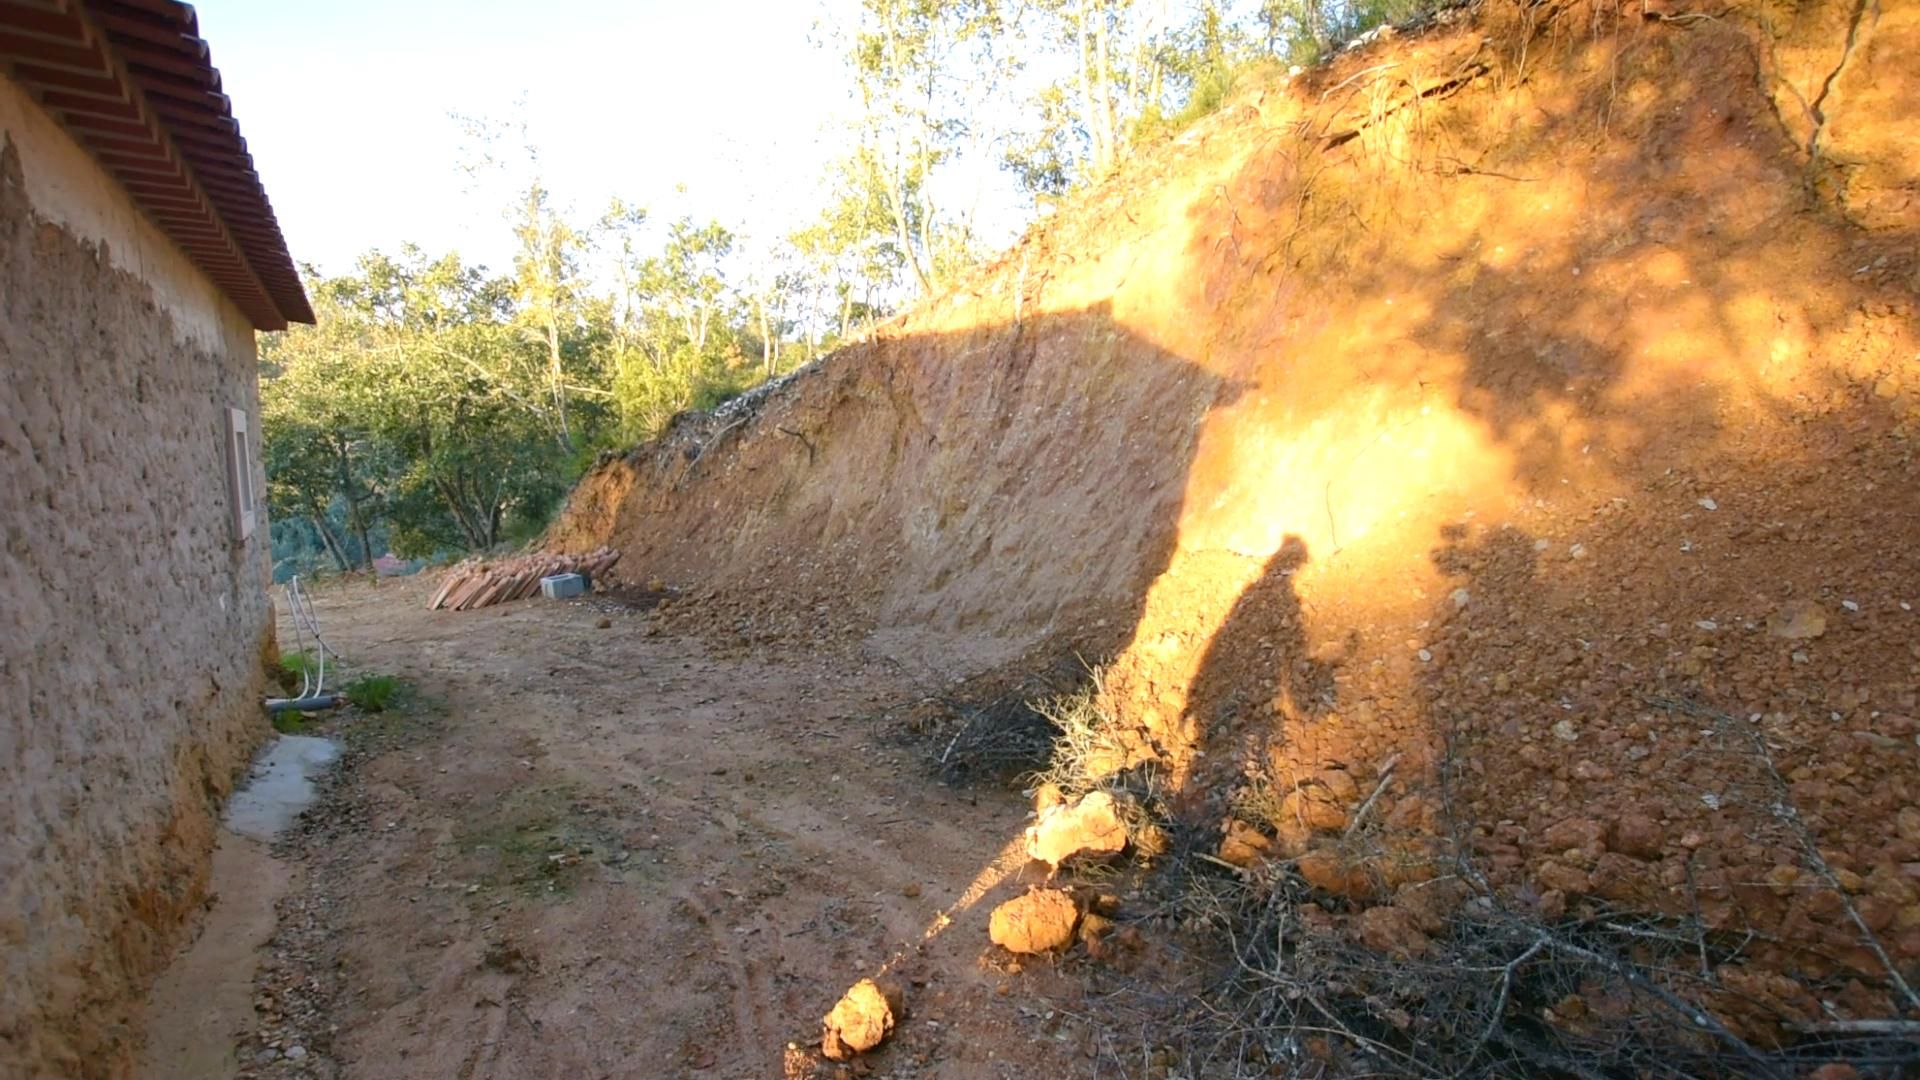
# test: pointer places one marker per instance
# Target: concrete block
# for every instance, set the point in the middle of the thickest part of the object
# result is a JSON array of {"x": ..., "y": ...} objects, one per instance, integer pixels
[{"x": 561, "y": 586}]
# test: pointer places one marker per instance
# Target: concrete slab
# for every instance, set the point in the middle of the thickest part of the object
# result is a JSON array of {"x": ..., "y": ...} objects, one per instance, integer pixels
[{"x": 280, "y": 786}]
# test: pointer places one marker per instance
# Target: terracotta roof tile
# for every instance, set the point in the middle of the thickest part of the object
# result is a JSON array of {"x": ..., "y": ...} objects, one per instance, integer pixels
[{"x": 135, "y": 84}]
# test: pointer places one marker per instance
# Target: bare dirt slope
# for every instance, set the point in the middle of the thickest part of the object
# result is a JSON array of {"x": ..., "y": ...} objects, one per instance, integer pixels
[
  {"x": 1534, "y": 396},
  {"x": 586, "y": 851}
]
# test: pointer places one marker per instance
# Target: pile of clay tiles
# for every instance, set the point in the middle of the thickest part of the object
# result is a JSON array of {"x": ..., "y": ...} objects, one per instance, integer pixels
[{"x": 476, "y": 583}]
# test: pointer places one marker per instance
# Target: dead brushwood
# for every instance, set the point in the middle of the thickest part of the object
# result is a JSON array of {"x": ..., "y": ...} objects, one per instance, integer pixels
[
  {"x": 1771, "y": 794},
  {"x": 1313, "y": 984},
  {"x": 1500, "y": 989},
  {"x": 995, "y": 733}
]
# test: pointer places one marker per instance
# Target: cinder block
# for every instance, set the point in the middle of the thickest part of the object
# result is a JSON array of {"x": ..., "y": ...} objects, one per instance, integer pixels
[{"x": 561, "y": 586}]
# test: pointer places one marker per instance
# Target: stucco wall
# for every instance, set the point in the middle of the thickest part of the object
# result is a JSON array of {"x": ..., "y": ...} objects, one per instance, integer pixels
[{"x": 132, "y": 623}]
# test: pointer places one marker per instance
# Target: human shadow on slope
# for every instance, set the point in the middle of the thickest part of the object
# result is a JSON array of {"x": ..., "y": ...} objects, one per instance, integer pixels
[
  {"x": 1258, "y": 668},
  {"x": 1701, "y": 384}
]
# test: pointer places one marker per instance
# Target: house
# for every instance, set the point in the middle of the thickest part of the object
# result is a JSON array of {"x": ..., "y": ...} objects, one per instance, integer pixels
[{"x": 138, "y": 257}]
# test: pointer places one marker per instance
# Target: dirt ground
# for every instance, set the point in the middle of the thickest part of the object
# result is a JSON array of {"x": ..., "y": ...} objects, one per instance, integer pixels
[
  {"x": 584, "y": 850},
  {"x": 1490, "y": 452},
  {"x": 1501, "y": 436}
]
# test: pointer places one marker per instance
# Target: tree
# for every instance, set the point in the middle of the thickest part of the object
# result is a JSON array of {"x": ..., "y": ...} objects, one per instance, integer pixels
[
  {"x": 410, "y": 399},
  {"x": 1109, "y": 63},
  {"x": 318, "y": 447},
  {"x": 921, "y": 69},
  {"x": 680, "y": 323},
  {"x": 546, "y": 284}
]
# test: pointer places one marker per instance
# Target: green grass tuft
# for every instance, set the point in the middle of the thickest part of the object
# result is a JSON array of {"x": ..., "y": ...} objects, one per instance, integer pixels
[{"x": 374, "y": 693}]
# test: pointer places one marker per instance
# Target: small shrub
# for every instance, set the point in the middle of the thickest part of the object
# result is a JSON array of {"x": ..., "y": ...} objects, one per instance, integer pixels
[
  {"x": 1091, "y": 752},
  {"x": 1088, "y": 746},
  {"x": 373, "y": 693}
]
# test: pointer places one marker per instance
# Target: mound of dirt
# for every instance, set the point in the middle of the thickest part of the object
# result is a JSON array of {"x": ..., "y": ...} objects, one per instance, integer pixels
[{"x": 1530, "y": 403}]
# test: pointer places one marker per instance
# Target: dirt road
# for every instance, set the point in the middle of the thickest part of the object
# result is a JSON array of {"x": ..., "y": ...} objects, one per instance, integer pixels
[{"x": 588, "y": 851}]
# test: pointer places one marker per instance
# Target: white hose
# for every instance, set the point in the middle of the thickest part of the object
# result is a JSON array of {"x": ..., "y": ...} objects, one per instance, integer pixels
[{"x": 306, "y": 623}]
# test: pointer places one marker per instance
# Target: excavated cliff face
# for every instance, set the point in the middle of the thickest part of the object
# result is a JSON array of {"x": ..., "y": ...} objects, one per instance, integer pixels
[{"x": 1534, "y": 396}]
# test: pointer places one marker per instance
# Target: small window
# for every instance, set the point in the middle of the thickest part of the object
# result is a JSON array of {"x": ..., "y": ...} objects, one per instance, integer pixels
[{"x": 240, "y": 474}]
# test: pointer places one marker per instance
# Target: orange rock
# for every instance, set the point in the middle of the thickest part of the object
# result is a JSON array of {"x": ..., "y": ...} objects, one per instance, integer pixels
[
  {"x": 1243, "y": 845},
  {"x": 1567, "y": 879},
  {"x": 1585, "y": 834},
  {"x": 1091, "y": 826},
  {"x": 1637, "y": 835},
  {"x": 1046, "y": 797},
  {"x": 860, "y": 1021},
  {"x": 1798, "y": 621},
  {"x": 1314, "y": 809},
  {"x": 1041, "y": 921},
  {"x": 1389, "y": 930},
  {"x": 1330, "y": 872}
]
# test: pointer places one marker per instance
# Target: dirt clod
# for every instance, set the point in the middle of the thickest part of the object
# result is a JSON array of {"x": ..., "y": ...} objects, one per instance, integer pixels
[
  {"x": 1392, "y": 931},
  {"x": 1637, "y": 835},
  {"x": 862, "y": 1019},
  {"x": 1799, "y": 621},
  {"x": 1091, "y": 826},
  {"x": 1041, "y": 921},
  {"x": 1243, "y": 845}
]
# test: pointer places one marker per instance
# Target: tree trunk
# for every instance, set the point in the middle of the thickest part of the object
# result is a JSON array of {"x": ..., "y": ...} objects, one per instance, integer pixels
[
  {"x": 329, "y": 541},
  {"x": 474, "y": 540},
  {"x": 766, "y": 342},
  {"x": 348, "y": 490},
  {"x": 1086, "y": 94},
  {"x": 360, "y": 528},
  {"x": 557, "y": 382},
  {"x": 896, "y": 182},
  {"x": 1103, "y": 70}
]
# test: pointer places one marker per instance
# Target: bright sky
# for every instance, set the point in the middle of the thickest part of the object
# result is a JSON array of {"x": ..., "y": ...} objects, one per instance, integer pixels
[{"x": 345, "y": 107}]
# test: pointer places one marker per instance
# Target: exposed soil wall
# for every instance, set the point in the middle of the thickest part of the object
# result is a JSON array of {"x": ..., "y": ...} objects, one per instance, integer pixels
[
  {"x": 132, "y": 625},
  {"x": 1477, "y": 400}
]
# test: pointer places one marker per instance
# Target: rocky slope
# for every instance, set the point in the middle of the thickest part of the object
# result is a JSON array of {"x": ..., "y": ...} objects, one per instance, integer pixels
[{"x": 1528, "y": 403}]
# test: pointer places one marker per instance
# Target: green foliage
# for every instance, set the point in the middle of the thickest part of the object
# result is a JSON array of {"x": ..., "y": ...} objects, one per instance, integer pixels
[
  {"x": 1128, "y": 72},
  {"x": 373, "y": 693},
  {"x": 300, "y": 665},
  {"x": 289, "y": 670},
  {"x": 1309, "y": 31},
  {"x": 435, "y": 408},
  {"x": 415, "y": 402}
]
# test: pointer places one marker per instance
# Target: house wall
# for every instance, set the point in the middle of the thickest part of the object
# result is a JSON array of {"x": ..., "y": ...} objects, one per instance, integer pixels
[{"x": 132, "y": 623}]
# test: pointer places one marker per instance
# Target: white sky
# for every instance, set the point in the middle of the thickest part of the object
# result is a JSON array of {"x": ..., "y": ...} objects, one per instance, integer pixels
[{"x": 345, "y": 107}]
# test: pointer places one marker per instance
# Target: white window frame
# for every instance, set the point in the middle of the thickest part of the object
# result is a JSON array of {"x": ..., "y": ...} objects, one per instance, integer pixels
[{"x": 240, "y": 486}]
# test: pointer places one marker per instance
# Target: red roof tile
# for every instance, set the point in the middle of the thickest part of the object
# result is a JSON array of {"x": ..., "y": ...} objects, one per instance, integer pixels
[{"x": 134, "y": 83}]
